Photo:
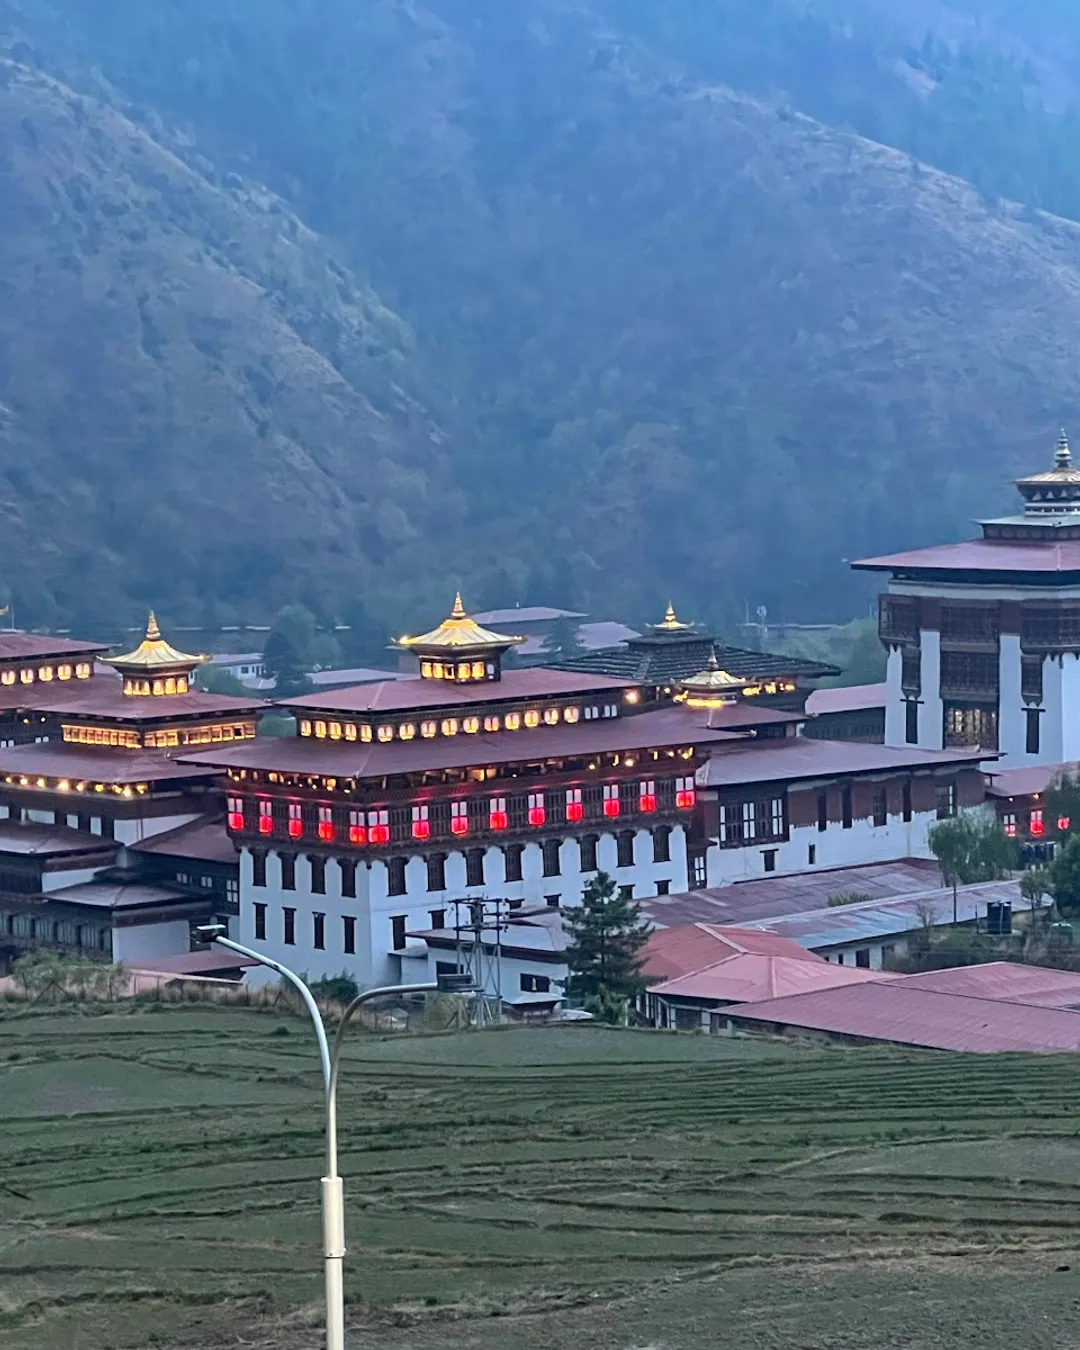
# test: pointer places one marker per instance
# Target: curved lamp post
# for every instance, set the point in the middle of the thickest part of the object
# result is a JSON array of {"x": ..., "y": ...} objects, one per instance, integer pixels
[{"x": 333, "y": 1200}]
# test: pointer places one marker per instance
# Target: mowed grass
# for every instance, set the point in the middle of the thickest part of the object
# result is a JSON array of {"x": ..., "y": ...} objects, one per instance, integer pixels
[{"x": 537, "y": 1187}]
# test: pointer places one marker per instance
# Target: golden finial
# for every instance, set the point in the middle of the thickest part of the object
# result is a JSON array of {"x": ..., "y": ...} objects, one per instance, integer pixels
[
  {"x": 670, "y": 623},
  {"x": 1063, "y": 455},
  {"x": 153, "y": 632},
  {"x": 458, "y": 612}
]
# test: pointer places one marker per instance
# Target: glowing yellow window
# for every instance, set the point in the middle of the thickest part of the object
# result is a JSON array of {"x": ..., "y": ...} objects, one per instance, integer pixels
[
  {"x": 63, "y": 672},
  {"x": 428, "y": 729},
  {"x": 350, "y": 731},
  {"x": 182, "y": 684},
  {"x": 320, "y": 730},
  {"x": 436, "y": 670},
  {"x": 170, "y": 685},
  {"x": 551, "y": 717},
  {"x": 425, "y": 670},
  {"x": 407, "y": 730},
  {"x": 335, "y": 730},
  {"x": 45, "y": 673},
  {"x": 491, "y": 724},
  {"x": 464, "y": 671},
  {"x": 82, "y": 670},
  {"x": 27, "y": 676},
  {"x": 478, "y": 670},
  {"x": 450, "y": 726},
  {"x": 471, "y": 725},
  {"x": 305, "y": 727},
  {"x": 159, "y": 687},
  {"x": 7, "y": 677},
  {"x": 512, "y": 721},
  {"x": 386, "y": 732},
  {"x": 571, "y": 714},
  {"x": 532, "y": 718},
  {"x": 365, "y": 732}
]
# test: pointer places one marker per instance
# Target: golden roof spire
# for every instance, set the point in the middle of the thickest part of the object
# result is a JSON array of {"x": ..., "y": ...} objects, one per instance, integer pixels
[
  {"x": 458, "y": 634},
  {"x": 711, "y": 688},
  {"x": 153, "y": 632},
  {"x": 155, "y": 659},
  {"x": 670, "y": 624}
]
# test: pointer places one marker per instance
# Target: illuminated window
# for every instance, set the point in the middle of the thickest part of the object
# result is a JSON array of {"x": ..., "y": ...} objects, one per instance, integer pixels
[
  {"x": 7, "y": 677},
  {"x": 421, "y": 826},
  {"x": 631, "y": 696},
  {"x": 350, "y": 731},
  {"x": 335, "y": 731},
  {"x": 159, "y": 687},
  {"x": 82, "y": 670},
  {"x": 357, "y": 828},
  {"x": 378, "y": 827},
  {"x": 428, "y": 729},
  {"x": 611, "y": 800},
  {"x": 170, "y": 685},
  {"x": 471, "y": 725},
  {"x": 296, "y": 824},
  {"x": 63, "y": 672},
  {"x": 551, "y": 717},
  {"x": 537, "y": 811},
  {"x": 320, "y": 730},
  {"x": 478, "y": 670},
  {"x": 27, "y": 676},
  {"x": 45, "y": 673},
  {"x": 647, "y": 796},
  {"x": 325, "y": 828},
  {"x": 1035, "y": 822},
  {"x": 575, "y": 809},
  {"x": 181, "y": 684},
  {"x": 305, "y": 727},
  {"x": 450, "y": 726},
  {"x": 571, "y": 714},
  {"x": 491, "y": 723},
  {"x": 459, "y": 818},
  {"x": 464, "y": 671},
  {"x": 591, "y": 713},
  {"x": 436, "y": 670},
  {"x": 407, "y": 730},
  {"x": 425, "y": 670},
  {"x": 236, "y": 813},
  {"x": 512, "y": 721},
  {"x": 532, "y": 718},
  {"x": 386, "y": 732},
  {"x": 1008, "y": 824},
  {"x": 1063, "y": 824},
  {"x": 365, "y": 732},
  {"x": 497, "y": 817},
  {"x": 685, "y": 794},
  {"x": 266, "y": 817}
]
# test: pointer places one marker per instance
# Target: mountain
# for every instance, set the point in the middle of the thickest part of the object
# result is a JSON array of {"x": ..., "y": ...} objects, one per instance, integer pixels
[{"x": 592, "y": 303}]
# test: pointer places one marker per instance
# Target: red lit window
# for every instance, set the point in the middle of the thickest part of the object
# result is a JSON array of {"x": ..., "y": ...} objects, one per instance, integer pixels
[
  {"x": 236, "y": 813},
  {"x": 1008, "y": 824},
  {"x": 378, "y": 827},
  {"x": 647, "y": 796},
  {"x": 459, "y": 818},
  {"x": 326, "y": 824},
  {"x": 1035, "y": 822},
  {"x": 497, "y": 817},
  {"x": 1063, "y": 824},
  {"x": 574, "y": 809},
  {"x": 537, "y": 810},
  {"x": 685, "y": 795},
  {"x": 266, "y": 817},
  {"x": 611, "y": 800},
  {"x": 296, "y": 824},
  {"x": 421, "y": 826},
  {"x": 357, "y": 828}
]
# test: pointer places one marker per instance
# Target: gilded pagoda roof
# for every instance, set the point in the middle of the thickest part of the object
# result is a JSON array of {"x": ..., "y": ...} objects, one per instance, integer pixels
[
  {"x": 459, "y": 632},
  {"x": 1063, "y": 472},
  {"x": 711, "y": 680},
  {"x": 154, "y": 653},
  {"x": 669, "y": 623}
]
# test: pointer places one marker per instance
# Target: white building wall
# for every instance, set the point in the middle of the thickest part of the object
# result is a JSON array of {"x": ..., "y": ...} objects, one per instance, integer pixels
[
  {"x": 931, "y": 728},
  {"x": 864, "y": 842},
  {"x": 895, "y": 718},
  {"x": 1068, "y": 667},
  {"x": 375, "y": 961},
  {"x": 147, "y": 940},
  {"x": 1012, "y": 721}
]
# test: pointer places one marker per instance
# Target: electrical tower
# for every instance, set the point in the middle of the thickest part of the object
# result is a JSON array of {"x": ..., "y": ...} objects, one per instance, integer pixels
[{"x": 479, "y": 924}]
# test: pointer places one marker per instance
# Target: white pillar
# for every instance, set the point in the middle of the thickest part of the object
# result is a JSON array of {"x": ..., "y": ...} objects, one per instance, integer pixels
[
  {"x": 895, "y": 713},
  {"x": 1070, "y": 707},
  {"x": 1052, "y": 721},
  {"x": 930, "y": 713},
  {"x": 1012, "y": 722}
]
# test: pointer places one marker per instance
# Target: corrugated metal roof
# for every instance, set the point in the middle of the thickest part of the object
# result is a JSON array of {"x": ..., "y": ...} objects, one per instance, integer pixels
[
  {"x": 853, "y": 698},
  {"x": 806, "y": 757},
  {"x": 674, "y": 952},
  {"x": 1026, "y": 782},
  {"x": 1038, "y": 986},
  {"x": 983, "y": 555},
  {"x": 749, "y": 976},
  {"x": 901, "y": 1013}
]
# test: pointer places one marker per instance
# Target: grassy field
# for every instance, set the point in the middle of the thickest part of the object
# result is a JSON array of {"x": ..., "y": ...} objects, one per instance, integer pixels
[{"x": 531, "y": 1188}]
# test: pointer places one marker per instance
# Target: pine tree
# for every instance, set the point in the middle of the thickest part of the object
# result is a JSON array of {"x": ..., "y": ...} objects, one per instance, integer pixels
[{"x": 607, "y": 934}]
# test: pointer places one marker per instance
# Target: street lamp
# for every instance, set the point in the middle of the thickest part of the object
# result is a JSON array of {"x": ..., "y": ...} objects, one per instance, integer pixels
[{"x": 333, "y": 1200}]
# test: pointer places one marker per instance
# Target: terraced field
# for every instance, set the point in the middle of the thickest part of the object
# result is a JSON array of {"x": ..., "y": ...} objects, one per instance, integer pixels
[{"x": 536, "y": 1188}]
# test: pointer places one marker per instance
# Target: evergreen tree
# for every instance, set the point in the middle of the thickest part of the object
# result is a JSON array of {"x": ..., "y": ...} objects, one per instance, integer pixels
[
  {"x": 290, "y": 649},
  {"x": 607, "y": 934},
  {"x": 1065, "y": 877}
]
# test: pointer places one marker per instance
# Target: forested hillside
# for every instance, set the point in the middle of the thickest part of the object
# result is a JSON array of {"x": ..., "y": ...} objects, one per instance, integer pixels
[{"x": 590, "y": 303}]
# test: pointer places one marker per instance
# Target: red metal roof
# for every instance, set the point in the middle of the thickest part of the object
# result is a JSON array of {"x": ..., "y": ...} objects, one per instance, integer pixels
[
  {"x": 17, "y": 646},
  {"x": 1038, "y": 986},
  {"x": 672, "y": 952},
  {"x": 1026, "y": 782},
  {"x": 982, "y": 555},
  {"x": 194, "y": 963},
  {"x": 750, "y": 977},
  {"x": 104, "y": 697},
  {"x": 803, "y": 757},
  {"x": 202, "y": 840},
  {"x": 665, "y": 727},
  {"x": 854, "y": 698},
  {"x": 901, "y": 1013},
  {"x": 57, "y": 759},
  {"x": 401, "y": 695}
]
